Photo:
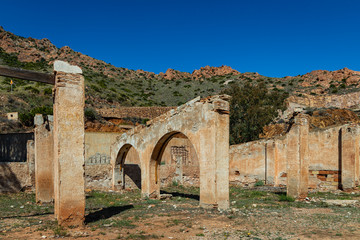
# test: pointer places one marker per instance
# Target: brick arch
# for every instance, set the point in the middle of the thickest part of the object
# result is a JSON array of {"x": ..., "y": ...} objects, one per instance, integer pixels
[
  {"x": 206, "y": 124},
  {"x": 156, "y": 157},
  {"x": 121, "y": 169}
]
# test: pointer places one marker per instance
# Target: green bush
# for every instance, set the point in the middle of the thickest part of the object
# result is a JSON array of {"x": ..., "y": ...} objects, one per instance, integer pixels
[
  {"x": 334, "y": 90},
  {"x": 259, "y": 183},
  {"x": 47, "y": 91},
  {"x": 90, "y": 114},
  {"x": 32, "y": 89},
  {"x": 251, "y": 108},
  {"x": 27, "y": 118},
  {"x": 286, "y": 198}
]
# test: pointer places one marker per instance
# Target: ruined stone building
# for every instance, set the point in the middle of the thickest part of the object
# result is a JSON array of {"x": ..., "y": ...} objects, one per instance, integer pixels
[
  {"x": 332, "y": 162},
  {"x": 186, "y": 145}
]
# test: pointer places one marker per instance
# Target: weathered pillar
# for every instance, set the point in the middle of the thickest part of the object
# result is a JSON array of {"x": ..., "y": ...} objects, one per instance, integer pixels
[
  {"x": 44, "y": 155},
  {"x": 214, "y": 157},
  {"x": 31, "y": 162},
  {"x": 69, "y": 144},
  {"x": 178, "y": 169},
  {"x": 270, "y": 159},
  {"x": 357, "y": 154},
  {"x": 348, "y": 140},
  {"x": 298, "y": 159}
]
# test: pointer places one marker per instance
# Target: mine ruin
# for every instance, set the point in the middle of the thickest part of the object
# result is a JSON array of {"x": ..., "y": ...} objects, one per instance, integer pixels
[{"x": 188, "y": 144}]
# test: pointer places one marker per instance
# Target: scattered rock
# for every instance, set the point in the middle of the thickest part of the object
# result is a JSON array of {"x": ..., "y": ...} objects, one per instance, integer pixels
[
  {"x": 165, "y": 196},
  {"x": 342, "y": 203}
]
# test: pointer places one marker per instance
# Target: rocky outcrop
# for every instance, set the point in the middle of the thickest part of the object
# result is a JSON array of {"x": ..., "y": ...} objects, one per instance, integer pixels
[
  {"x": 208, "y": 72},
  {"x": 172, "y": 74},
  {"x": 350, "y": 100},
  {"x": 326, "y": 78}
]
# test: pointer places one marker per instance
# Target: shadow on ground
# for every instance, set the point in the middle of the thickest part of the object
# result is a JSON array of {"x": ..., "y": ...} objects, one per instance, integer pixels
[
  {"x": 26, "y": 216},
  {"x": 106, "y": 213},
  {"x": 184, "y": 195}
]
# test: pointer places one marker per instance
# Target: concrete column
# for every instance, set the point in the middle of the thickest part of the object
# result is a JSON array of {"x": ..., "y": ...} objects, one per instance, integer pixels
[
  {"x": 357, "y": 155},
  {"x": 148, "y": 186},
  {"x": 69, "y": 144},
  {"x": 348, "y": 137},
  {"x": 31, "y": 162},
  {"x": 44, "y": 155},
  {"x": 116, "y": 177},
  {"x": 270, "y": 155},
  {"x": 122, "y": 176},
  {"x": 214, "y": 158},
  {"x": 178, "y": 170},
  {"x": 298, "y": 159},
  {"x": 222, "y": 154},
  {"x": 276, "y": 162}
]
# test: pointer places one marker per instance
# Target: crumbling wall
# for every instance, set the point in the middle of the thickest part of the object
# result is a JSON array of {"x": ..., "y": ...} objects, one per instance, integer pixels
[
  {"x": 247, "y": 162},
  {"x": 98, "y": 170},
  {"x": 13, "y": 146},
  {"x": 326, "y": 150},
  {"x": 18, "y": 176},
  {"x": 324, "y": 159}
]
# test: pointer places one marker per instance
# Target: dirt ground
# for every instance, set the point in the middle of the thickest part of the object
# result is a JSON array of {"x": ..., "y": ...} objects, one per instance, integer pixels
[{"x": 260, "y": 213}]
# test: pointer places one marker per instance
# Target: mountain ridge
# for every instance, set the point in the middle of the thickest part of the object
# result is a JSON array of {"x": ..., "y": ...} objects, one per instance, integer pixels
[{"x": 108, "y": 86}]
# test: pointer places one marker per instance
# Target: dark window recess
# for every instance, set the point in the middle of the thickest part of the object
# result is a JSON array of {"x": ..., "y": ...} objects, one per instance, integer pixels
[{"x": 13, "y": 146}]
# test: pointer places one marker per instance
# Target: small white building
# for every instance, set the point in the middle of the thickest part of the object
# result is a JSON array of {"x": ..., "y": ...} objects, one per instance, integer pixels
[{"x": 14, "y": 116}]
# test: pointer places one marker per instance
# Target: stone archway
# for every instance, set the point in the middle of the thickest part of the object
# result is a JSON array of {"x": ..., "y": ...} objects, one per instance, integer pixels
[
  {"x": 155, "y": 160},
  {"x": 206, "y": 123},
  {"x": 127, "y": 171},
  {"x": 180, "y": 163}
]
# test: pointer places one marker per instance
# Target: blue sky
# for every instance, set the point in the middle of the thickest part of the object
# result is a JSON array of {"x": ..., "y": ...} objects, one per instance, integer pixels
[{"x": 273, "y": 38}]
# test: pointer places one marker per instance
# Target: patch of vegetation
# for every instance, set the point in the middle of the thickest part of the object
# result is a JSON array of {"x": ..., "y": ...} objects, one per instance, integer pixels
[
  {"x": 27, "y": 118},
  {"x": 259, "y": 183},
  {"x": 60, "y": 231},
  {"x": 285, "y": 198},
  {"x": 11, "y": 60},
  {"x": 251, "y": 108},
  {"x": 91, "y": 114}
]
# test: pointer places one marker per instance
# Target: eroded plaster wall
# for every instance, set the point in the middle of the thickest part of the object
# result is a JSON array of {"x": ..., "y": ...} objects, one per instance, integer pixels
[
  {"x": 98, "y": 170},
  {"x": 267, "y": 160},
  {"x": 19, "y": 176},
  {"x": 185, "y": 172}
]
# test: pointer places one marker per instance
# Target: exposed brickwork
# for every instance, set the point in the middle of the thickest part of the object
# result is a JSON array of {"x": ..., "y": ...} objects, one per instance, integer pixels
[
  {"x": 134, "y": 112},
  {"x": 324, "y": 179}
]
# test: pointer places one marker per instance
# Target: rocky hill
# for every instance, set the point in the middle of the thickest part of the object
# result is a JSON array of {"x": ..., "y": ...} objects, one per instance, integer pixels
[{"x": 108, "y": 86}]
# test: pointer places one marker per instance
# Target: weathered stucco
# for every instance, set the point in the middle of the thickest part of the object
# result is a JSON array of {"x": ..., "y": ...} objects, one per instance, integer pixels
[
  {"x": 98, "y": 170},
  {"x": 324, "y": 159},
  {"x": 18, "y": 176},
  {"x": 44, "y": 155},
  {"x": 69, "y": 149},
  {"x": 206, "y": 124}
]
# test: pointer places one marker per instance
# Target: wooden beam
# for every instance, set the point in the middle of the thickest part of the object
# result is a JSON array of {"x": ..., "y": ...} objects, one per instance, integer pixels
[{"x": 27, "y": 75}]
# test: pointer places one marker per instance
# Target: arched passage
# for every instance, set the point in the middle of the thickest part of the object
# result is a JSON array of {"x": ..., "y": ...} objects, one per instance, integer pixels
[
  {"x": 180, "y": 158},
  {"x": 127, "y": 172},
  {"x": 206, "y": 124}
]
